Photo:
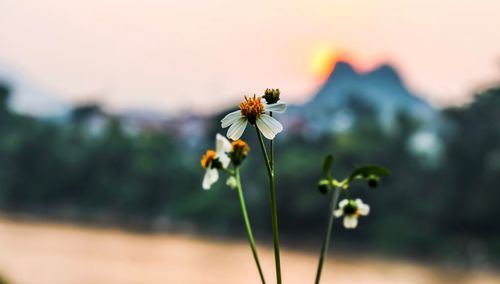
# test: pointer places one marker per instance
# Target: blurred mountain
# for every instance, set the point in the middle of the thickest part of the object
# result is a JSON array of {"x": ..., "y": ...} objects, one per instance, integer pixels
[
  {"x": 345, "y": 97},
  {"x": 348, "y": 93}
]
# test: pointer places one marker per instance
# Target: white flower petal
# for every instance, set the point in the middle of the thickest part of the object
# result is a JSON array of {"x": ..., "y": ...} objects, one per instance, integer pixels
[
  {"x": 222, "y": 144},
  {"x": 224, "y": 159},
  {"x": 236, "y": 130},
  {"x": 350, "y": 222},
  {"x": 230, "y": 118},
  {"x": 211, "y": 176},
  {"x": 363, "y": 209},
  {"x": 268, "y": 126},
  {"x": 343, "y": 203},
  {"x": 338, "y": 213},
  {"x": 277, "y": 107}
]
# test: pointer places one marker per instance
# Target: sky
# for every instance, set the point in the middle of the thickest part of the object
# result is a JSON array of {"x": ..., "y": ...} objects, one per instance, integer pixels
[{"x": 173, "y": 56}]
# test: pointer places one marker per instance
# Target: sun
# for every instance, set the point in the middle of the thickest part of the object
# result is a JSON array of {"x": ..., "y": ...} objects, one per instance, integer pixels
[{"x": 322, "y": 62}]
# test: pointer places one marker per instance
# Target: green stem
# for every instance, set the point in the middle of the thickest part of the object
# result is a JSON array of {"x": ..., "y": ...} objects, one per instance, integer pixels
[
  {"x": 271, "y": 148},
  {"x": 274, "y": 207},
  {"x": 251, "y": 240},
  {"x": 229, "y": 172},
  {"x": 326, "y": 240}
]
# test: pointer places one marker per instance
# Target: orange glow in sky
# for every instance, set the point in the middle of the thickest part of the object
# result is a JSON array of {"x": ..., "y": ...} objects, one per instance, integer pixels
[
  {"x": 148, "y": 54},
  {"x": 323, "y": 62}
]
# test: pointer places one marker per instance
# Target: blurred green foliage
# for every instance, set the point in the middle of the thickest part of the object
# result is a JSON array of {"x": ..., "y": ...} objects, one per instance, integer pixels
[{"x": 152, "y": 180}]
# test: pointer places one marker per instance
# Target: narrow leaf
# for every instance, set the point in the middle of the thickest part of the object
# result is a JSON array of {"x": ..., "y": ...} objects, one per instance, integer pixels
[{"x": 327, "y": 165}]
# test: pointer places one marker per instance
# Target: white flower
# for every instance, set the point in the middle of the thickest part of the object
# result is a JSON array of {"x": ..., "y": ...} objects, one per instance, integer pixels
[
  {"x": 214, "y": 160},
  {"x": 351, "y": 210},
  {"x": 254, "y": 111}
]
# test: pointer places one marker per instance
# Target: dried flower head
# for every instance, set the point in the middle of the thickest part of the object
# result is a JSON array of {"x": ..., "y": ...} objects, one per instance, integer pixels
[{"x": 239, "y": 152}]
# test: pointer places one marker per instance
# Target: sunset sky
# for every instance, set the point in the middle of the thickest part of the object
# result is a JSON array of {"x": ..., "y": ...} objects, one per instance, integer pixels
[{"x": 202, "y": 55}]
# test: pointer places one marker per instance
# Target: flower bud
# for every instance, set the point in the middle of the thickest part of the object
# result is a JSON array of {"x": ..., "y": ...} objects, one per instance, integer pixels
[
  {"x": 373, "y": 181},
  {"x": 344, "y": 184},
  {"x": 239, "y": 152},
  {"x": 231, "y": 182},
  {"x": 272, "y": 96},
  {"x": 323, "y": 186}
]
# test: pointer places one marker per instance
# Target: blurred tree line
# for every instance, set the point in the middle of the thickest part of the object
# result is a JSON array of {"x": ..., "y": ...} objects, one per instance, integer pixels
[{"x": 440, "y": 204}]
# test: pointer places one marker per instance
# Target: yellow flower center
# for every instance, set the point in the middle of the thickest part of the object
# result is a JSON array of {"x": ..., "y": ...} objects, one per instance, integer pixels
[
  {"x": 240, "y": 146},
  {"x": 208, "y": 158},
  {"x": 251, "y": 108}
]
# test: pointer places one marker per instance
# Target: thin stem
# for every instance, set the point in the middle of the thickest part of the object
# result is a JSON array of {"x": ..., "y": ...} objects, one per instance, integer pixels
[
  {"x": 274, "y": 207},
  {"x": 228, "y": 171},
  {"x": 270, "y": 172},
  {"x": 327, "y": 238},
  {"x": 271, "y": 148},
  {"x": 251, "y": 240}
]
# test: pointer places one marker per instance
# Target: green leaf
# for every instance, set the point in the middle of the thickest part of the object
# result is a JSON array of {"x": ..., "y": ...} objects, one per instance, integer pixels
[
  {"x": 365, "y": 172},
  {"x": 327, "y": 165}
]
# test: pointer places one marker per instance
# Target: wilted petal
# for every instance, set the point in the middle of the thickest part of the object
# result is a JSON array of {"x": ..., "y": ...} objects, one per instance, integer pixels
[
  {"x": 230, "y": 118},
  {"x": 350, "y": 222},
  {"x": 268, "y": 126},
  {"x": 277, "y": 107},
  {"x": 211, "y": 176},
  {"x": 236, "y": 130}
]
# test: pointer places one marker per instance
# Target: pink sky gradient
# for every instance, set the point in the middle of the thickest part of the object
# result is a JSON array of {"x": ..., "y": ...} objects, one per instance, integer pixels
[{"x": 175, "y": 55}]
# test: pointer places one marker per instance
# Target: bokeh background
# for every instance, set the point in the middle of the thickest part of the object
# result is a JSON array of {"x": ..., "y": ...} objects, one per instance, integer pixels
[{"x": 107, "y": 106}]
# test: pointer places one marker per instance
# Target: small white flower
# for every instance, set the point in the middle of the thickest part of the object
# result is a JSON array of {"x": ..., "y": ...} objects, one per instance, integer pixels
[
  {"x": 231, "y": 182},
  {"x": 351, "y": 210},
  {"x": 254, "y": 111},
  {"x": 214, "y": 160}
]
